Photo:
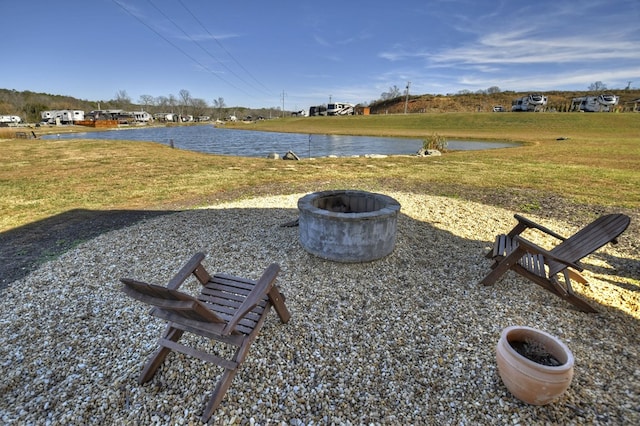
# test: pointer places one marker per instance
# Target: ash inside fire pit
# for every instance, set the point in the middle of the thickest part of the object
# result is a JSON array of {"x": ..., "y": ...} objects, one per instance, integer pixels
[{"x": 348, "y": 225}]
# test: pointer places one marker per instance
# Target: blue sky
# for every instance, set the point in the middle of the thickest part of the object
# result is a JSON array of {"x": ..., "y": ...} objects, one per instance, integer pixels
[{"x": 256, "y": 54}]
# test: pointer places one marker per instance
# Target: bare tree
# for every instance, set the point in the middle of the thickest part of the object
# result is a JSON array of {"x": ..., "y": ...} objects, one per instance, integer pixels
[
  {"x": 393, "y": 92},
  {"x": 198, "y": 107},
  {"x": 146, "y": 100},
  {"x": 598, "y": 86},
  {"x": 122, "y": 99},
  {"x": 185, "y": 101},
  {"x": 172, "y": 102},
  {"x": 493, "y": 89},
  {"x": 219, "y": 105}
]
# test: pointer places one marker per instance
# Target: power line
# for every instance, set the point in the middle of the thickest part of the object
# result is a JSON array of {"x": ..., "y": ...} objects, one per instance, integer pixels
[
  {"x": 179, "y": 49},
  {"x": 223, "y": 48},
  {"x": 200, "y": 46}
]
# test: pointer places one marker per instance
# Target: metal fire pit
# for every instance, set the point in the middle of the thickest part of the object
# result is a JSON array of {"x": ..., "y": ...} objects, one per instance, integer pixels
[{"x": 348, "y": 225}]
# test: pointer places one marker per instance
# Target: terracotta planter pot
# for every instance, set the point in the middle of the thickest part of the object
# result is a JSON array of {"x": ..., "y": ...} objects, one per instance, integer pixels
[{"x": 530, "y": 382}]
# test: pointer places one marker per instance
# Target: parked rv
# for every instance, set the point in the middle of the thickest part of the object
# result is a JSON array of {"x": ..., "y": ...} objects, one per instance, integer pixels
[
  {"x": 142, "y": 116},
  {"x": 601, "y": 103},
  {"x": 608, "y": 99},
  {"x": 340, "y": 109},
  {"x": 166, "y": 116},
  {"x": 533, "y": 102},
  {"x": 6, "y": 119},
  {"x": 315, "y": 111},
  {"x": 65, "y": 116}
]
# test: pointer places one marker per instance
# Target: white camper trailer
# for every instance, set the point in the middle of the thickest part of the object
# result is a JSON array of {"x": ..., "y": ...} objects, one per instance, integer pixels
[
  {"x": 10, "y": 119},
  {"x": 63, "y": 116},
  {"x": 608, "y": 100},
  {"x": 601, "y": 103},
  {"x": 142, "y": 116},
  {"x": 533, "y": 102}
]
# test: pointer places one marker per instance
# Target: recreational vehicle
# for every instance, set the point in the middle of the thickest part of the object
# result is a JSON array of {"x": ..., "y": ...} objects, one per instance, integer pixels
[
  {"x": 166, "y": 116},
  {"x": 65, "y": 116},
  {"x": 608, "y": 99},
  {"x": 533, "y": 102},
  {"x": 14, "y": 119},
  {"x": 340, "y": 109},
  {"x": 315, "y": 111},
  {"x": 601, "y": 103},
  {"x": 142, "y": 116}
]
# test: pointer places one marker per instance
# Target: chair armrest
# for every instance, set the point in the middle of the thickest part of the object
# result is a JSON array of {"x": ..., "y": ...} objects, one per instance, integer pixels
[
  {"x": 524, "y": 223},
  {"x": 188, "y": 269},
  {"x": 535, "y": 249},
  {"x": 259, "y": 291}
]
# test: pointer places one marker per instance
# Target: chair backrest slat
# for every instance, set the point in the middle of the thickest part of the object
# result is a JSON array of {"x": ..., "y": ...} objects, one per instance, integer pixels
[
  {"x": 589, "y": 239},
  {"x": 181, "y": 304}
]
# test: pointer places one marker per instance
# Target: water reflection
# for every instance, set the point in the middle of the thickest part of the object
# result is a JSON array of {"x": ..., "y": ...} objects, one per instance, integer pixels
[{"x": 247, "y": 143}]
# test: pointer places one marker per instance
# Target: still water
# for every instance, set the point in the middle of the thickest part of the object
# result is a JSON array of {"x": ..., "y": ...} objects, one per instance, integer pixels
[{"x": 247, "y": 143}]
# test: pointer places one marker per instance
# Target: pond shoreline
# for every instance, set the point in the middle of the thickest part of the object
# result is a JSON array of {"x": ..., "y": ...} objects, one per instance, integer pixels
[{"x": 256, "y": 143}]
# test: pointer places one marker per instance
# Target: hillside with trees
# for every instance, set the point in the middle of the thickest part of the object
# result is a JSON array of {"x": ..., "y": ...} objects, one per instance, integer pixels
[
  {"x": 28, "y": 105},
  {"x": 484, "y": 101}
]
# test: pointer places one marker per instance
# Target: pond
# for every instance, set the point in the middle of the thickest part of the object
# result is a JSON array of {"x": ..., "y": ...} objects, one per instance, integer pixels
[{"x": 249, "y": 143}]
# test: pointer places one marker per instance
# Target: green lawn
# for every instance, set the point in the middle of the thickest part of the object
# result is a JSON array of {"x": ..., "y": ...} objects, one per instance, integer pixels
[{"x": 599, "y": 165}]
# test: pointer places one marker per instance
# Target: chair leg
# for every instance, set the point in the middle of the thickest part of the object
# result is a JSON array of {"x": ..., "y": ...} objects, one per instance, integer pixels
[
  {"x": 216, "y": 397},
  {"x": 155, "y": 360},
  {"x": 277, "y": 300},
  {"x": 571, "y": 297},
  {"x": 227, "y": 377}
]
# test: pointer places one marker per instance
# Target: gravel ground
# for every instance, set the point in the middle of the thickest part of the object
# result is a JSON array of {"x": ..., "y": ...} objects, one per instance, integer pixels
[{"x": 408, "y": 339}]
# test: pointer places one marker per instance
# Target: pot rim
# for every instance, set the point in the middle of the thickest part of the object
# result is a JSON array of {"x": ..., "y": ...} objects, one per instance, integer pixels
[{"x": 559, "y": 343}]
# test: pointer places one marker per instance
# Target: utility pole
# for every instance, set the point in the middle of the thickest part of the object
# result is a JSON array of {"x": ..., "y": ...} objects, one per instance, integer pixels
[
  {"x": 283, "y": 95},
  {"x": 406, "y": 99}
]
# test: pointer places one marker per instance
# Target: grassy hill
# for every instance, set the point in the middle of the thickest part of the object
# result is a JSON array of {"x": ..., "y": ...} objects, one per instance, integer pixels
[{"x": 475, "y": 102}]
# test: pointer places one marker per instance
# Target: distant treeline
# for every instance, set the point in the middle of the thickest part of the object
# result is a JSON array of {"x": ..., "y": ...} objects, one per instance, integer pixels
[{"x": 28, "y": 105}]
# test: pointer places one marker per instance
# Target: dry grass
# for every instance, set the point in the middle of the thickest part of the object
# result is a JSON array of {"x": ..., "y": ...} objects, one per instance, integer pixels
[{"x": 40, "y": 178}]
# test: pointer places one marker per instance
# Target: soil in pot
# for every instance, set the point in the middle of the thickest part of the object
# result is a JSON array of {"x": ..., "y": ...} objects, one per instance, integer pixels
[{"x": 536, "y": 352}]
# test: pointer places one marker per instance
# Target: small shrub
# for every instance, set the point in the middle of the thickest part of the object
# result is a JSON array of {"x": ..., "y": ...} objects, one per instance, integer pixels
[{"x": 435, "y": 141}]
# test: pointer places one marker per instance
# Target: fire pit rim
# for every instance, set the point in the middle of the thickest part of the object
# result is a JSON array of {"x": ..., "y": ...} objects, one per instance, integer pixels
[{"x": 391, "y": 206}]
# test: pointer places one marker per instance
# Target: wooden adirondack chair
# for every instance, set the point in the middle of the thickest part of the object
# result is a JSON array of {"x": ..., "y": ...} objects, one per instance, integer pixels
[
  {"x": 512, "y": 251},
  {"x": 229, "y": 309}
]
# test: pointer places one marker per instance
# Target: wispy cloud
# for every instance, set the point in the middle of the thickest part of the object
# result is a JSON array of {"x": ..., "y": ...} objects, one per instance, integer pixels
[
  {"x": 321, "y": 41},
  {"x": 520, "y": 48}
]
